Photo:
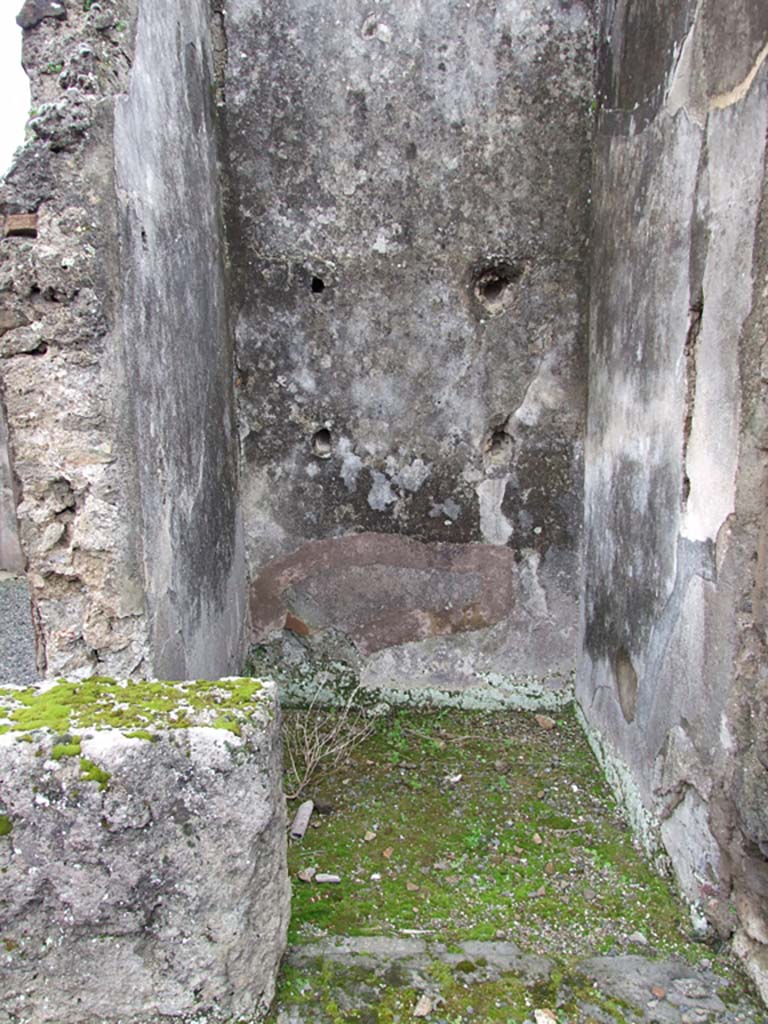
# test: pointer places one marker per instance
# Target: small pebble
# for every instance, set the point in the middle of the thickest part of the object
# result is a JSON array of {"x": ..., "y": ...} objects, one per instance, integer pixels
[
  {"x": 545, "y": 1016},
  {"x": 423, "y": 1008}
]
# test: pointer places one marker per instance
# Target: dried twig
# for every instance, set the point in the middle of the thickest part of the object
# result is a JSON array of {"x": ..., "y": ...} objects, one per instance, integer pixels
[{"x": 317, "y": 741}]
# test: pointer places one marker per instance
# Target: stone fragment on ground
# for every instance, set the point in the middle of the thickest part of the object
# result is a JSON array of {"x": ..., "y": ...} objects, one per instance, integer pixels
[
  {"x": 423, "y": 1007},
  {"x": 545, "y": 722},
  {"x": 301, "y": 819}
]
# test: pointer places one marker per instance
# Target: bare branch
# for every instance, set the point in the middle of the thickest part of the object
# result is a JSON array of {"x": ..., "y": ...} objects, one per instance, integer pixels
[{"x": 317, "y": 741}]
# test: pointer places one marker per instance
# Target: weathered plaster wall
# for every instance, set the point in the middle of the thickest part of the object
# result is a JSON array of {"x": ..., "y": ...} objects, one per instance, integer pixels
[
  {"x": 116, "y": 368},
  {"x": 673, "y": 678},
  {"x": 408, "y": 195},
  {"x": 176, "y": 350}
]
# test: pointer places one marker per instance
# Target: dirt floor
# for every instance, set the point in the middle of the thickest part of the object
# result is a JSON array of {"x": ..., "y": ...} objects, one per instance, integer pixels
[{"x": 486, "y": 874}]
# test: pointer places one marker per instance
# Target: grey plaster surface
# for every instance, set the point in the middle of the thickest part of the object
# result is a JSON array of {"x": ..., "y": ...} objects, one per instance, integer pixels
[
  {"x": 17, "y": 635},
  {"x": 673, "y": 681},
  {"x": 407, "y": 224},
  {"x": 176, "y": 352}
]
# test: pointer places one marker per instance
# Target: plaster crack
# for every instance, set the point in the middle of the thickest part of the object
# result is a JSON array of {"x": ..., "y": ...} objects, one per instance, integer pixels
[
  {"x": 738, "y": 92},
  {"x": 691, "y": 349}
]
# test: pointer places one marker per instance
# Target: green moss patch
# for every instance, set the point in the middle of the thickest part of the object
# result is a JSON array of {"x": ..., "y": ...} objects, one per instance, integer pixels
[
  {"x": 481, "y": 826},
  {"x": 457, "y": 826},
  {"x": 6, "y": 825},
  {"x": 134, "y": 706},
  {"x": 62, "y": 750},
  {"x": 91, "y": 772}
]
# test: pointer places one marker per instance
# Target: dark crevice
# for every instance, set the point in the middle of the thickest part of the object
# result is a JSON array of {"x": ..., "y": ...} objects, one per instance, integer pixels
[
  {"x": 691, "y": 346},
  {"x": 497, "y": 446}
]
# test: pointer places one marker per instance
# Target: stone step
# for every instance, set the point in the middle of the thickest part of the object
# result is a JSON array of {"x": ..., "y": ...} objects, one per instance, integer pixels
[{"x": 348, "y": 979}]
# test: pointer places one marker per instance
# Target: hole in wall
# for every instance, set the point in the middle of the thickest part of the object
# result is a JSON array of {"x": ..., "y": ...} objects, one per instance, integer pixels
[
  {"x": 317, "y": 285},
  {"x": 686, "y": 489},
  {"x": 497, "y": 445},
  {"x": 20, "y": 225},
  {"x": 493, "y": 287},
  {"x": 322, "y": 444},
  {"x": 626, "y": 683},
  {"x": 492, "y": 284},
  {"x": 497, "y": 442},
  {"x": 373, "y": 28},
  {"x": 369, "y": 27}
]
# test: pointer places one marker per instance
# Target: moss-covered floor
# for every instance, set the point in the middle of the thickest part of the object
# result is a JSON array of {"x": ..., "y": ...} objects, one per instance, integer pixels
[{"x": 482, "y": 861}]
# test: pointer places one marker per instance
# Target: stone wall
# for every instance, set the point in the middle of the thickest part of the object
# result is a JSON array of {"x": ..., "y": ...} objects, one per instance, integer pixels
[
  {"x": 295, "y": 304},
  {"x": 116, "y": 360},
  {"x": 406, "y": 225},
  {"x": 57, "y": 365},
  {"x": 407, "y": 214},
  {"x": 673, "y": 678}
]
